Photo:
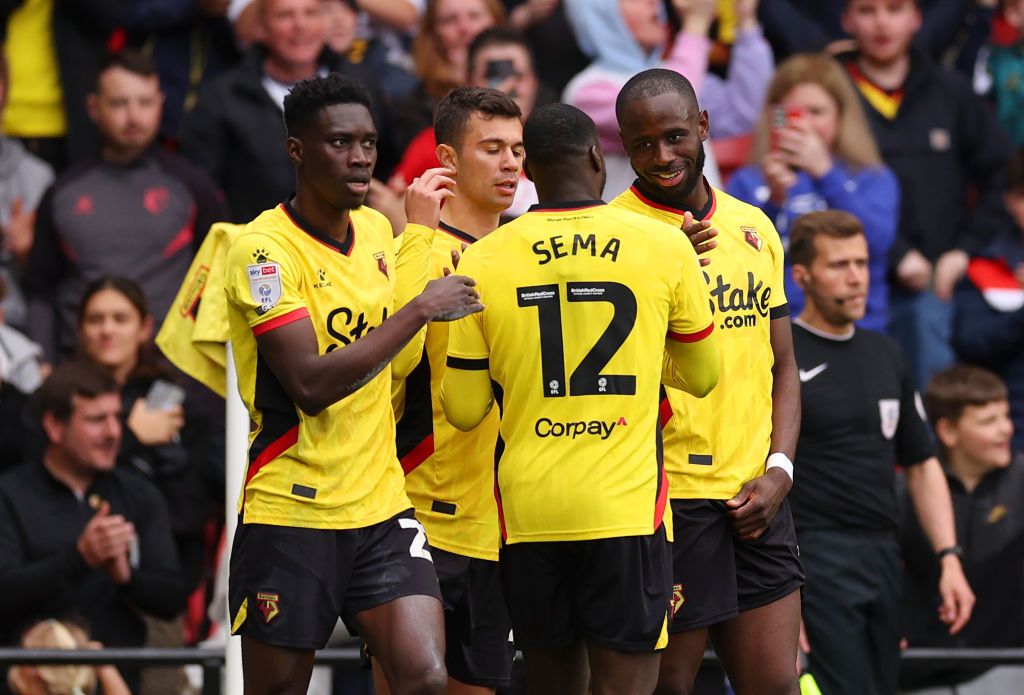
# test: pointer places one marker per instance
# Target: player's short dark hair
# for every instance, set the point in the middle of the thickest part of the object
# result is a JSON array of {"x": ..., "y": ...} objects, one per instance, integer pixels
[
  {"x": 653, "y": 83},
  {"x": 72, "y": 378},
  {"x": 835, "y": 224},
  {"x": 130, "y": 60},
  {"x": 455, "y": 109},
  {"x": 949, "y": 392},
  {"x": 496, "y": 36},
  {"x": 556, "y": 133},
  {"x": 1015, "y": 172},
  {"x": 309, "y": 97}
]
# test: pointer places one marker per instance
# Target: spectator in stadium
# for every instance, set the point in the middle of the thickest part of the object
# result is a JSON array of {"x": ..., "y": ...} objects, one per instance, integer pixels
[
  {"x": 163, "y": 438},
  {"x": 190, "y": 42},
  {"x": 23, "y": 180},
  {"x": 1006, "y": 67},
  {"x": 550, "y": 38},
  {"x": 440, "y": 55},
  {"x": 988, "y": 305},
  {"x": 498, "y": 58},
  {"x": 942, "y": 142},
  {"x": 821, "y": 156},
  {"x": 134, "y": 209},
  {"x": 968, "y": 408},
  {"x": 54, "y": 50},
  {"x": 626, "y": 37},
  {"x": 860, "y": 421},
  {"x": 20, "y": 376},
  {"x": 63, "y": 680},
  {"x": 79, "y": 536},
  {"x": 798, "y": 26}
]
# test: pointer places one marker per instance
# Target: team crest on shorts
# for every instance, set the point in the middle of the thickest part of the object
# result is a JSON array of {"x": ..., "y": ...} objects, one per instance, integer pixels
[
  {"x": 751, "y": 237},
  {"x": 382, "y": 262},
  {"x": 678, "y": 599},
  {"x": 268, "y": 604}
]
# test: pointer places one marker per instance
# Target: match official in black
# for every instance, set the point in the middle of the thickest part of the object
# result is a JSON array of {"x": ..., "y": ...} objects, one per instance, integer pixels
[{"x": 862, "y": 418}]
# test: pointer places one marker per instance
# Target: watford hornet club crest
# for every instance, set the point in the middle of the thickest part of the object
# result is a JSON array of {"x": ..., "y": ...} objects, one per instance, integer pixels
[
  {"x": 382, "y": 262},
  {"x": 751, "y": 237},
  {"x": 268, "y": 604},
  {"x": 677, "y": 598}
]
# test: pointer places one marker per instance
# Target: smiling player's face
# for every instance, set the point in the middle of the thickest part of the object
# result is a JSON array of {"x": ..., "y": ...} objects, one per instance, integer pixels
[
  {"x": 664, "y": 139},
  {"x": 336, "y": 154}
]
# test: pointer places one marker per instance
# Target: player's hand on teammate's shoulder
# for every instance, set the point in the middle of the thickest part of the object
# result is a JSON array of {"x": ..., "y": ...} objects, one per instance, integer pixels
[
  {"x": 450, "y": 298},
  {"x": 701, "y": 234},
  {"x": 755, "y": 505},
  {"x": 425, "y": 195}
]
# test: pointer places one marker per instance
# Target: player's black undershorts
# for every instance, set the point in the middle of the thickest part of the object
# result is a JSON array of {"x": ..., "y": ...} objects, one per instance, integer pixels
[
  {"x": 476, "y": 622},
  {"x": 613, "y": 592},
  {"x": 716, "y": 575},
  {"x": 288, "y": 586}
]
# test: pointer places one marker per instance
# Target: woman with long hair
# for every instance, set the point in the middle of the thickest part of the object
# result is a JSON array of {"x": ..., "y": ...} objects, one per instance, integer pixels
[
  {"x": 813, "y": 150},
  {"x": 161, "y": 438}
]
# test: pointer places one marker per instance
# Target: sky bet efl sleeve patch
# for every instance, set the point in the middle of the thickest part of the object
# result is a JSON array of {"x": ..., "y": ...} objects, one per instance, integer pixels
[{"x": 265, "y": 285}]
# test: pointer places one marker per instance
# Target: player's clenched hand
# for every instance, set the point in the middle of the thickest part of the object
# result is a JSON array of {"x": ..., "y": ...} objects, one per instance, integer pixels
[
  {"x": 450, "y": 298},
  {"x": 424, "y": 197},
  {"x": 700, "y": 234},
  {"x": 754, "y": 506},
  {"x": 957, "y": 597}
]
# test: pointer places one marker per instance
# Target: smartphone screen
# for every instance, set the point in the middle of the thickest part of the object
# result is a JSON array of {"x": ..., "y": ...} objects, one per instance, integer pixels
[{"x": 497, "y": 71}]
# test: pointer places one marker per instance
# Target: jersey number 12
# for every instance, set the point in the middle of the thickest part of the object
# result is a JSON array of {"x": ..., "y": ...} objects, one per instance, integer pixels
[{"x": 586, "y": 379}]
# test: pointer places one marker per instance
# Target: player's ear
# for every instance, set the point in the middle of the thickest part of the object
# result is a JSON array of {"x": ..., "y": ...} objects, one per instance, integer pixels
[
  {"x": 526, "y": 169},
  {"x": 294, "y": 148},
  {"x": 597, "y": 158},
  {"x": 446, "y": 155},
  {"x": 703, "y": 125}
]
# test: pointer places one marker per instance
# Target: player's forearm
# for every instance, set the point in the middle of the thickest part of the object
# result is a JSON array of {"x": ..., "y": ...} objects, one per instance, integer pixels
[
  {"x": 466, "y": 397},
  {"x": 695, "y": 366},
  {"x": 785, "y": 390},
  {"x": 929, "y": 493}
]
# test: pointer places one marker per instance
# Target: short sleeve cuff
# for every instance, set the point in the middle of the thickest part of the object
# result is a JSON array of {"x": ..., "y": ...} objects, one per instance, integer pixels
[
  {"x": 467, "y": 363},
  {"x": 691, "y": 337},
  {"x": 778, "y": 312},
  {"x": 281, "y": 320}
]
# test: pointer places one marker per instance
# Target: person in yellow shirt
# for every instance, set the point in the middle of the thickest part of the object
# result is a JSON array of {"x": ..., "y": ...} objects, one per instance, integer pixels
[
  {"x": 450, "y": 474},
  {"x": 583, "y": 300},
  {"x": 325, "y": 527},
  {"x": 736, "y": 566}
]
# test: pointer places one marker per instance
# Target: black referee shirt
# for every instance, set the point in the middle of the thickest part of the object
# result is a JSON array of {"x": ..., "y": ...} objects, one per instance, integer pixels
[
  {"x": 861, "y": 417},
  {"x": 42, "y": 575}
]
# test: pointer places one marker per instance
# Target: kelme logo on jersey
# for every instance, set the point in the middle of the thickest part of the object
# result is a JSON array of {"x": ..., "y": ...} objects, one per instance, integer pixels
[
  {"x": 741, "y": 306},
  {"x": 545, "y": 428}
]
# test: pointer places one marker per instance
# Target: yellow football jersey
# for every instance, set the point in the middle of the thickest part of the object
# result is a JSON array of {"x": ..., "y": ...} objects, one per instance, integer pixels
[
  {"x": 449, "y": 474},
  {"x": 579, "y": 302},
  {"x": 337, "y": 469},
  {"x": 715, "y": 444}
]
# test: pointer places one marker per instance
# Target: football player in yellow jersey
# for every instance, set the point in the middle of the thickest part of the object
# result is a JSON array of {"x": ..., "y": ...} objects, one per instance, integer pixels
[
  {"x": 736, "y": 566},
  {"x": 450, "y": 474},
  {"x": 582, "y": 303},
  {"x": 325, "y": 528}
]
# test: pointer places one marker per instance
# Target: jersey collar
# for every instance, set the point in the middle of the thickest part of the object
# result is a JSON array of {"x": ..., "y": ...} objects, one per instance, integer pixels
[
  {"x": 301, "y": 222},
  {"x": 704, "y": 213},
  {"x": 565, "y": 206},
  {"x": 455, "y": 232},
  {"x": 822, "y": 334}
]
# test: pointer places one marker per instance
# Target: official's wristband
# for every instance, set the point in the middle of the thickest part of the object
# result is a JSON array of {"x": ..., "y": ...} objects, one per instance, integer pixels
[{"x": 780, "y": 460}]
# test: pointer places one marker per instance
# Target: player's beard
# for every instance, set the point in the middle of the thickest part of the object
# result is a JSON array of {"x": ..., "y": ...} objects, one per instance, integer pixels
[{"x": 695, "y": 176}]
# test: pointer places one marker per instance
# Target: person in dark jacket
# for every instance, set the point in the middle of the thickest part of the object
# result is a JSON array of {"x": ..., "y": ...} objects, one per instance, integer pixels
[
  {"x": 968, "y": 409},
  {"x": 135, "y": 210},
  {"x": 988, "y": 305},
  {"x": 80, "y": 537},
  {"x": 943, "y": 142},
  {"x": 236, "y": 129}
]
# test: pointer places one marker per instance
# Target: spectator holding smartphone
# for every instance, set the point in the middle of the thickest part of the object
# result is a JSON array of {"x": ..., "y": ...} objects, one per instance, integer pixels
[
  {"x": 813, "y": 150},
  {"x": 164, "y": 440}
]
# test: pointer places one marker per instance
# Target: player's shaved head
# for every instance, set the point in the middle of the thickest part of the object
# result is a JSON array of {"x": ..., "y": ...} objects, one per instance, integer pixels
[
  {"x": 309, "y": 97},
  {"x": 557, "y": 133},
  {"x": 654, "y": 83}
]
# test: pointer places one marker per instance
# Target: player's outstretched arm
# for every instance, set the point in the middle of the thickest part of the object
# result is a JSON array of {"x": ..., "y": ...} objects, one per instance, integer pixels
[
  {"x": 693, "y": 366},
  {"x": 466, "y": 396},
  {"x": 314, "y": 381}
]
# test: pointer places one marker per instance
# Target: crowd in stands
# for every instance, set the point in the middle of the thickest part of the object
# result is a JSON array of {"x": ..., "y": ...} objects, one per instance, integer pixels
[{"x": 130, "y": 126}]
